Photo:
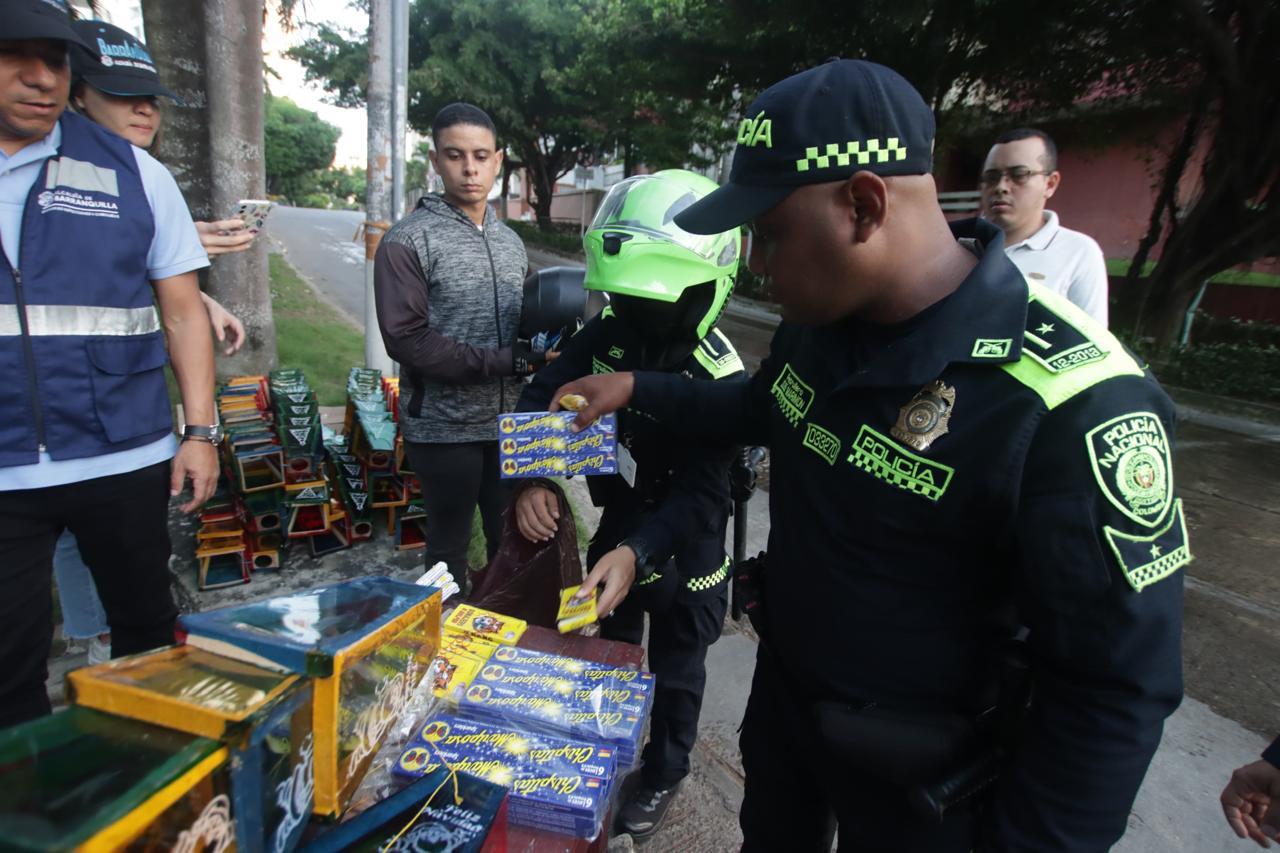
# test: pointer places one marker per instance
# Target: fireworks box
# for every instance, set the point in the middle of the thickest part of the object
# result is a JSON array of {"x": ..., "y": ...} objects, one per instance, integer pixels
[
  {"x": 619, "y": 726},
  {"x": 637, "y": 680},
  {"x": 608, "y": 704},
  {"x": 366, "y": 643},
  {"x": 604, "y": 693},
  {"x": 424, "y": 816},
  {"x": 494, "y": 627},
  {"x": 556, "y": 783},
  {"x": 262, "y": 716},
  {"x": 83, "y": 780},
  {"x": 540, "y": 444}
]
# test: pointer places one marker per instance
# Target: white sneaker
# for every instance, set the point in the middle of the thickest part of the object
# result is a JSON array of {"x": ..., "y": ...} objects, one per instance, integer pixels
[{"x": 99, "y": 652}]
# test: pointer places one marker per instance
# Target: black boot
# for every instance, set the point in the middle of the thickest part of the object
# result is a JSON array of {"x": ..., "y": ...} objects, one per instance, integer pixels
[{"x": 642, "y": 814}]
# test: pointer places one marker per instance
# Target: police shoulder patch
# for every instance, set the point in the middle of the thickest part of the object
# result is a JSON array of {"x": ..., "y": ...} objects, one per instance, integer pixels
[
  {"x": 1148, "y": 559},
  {"x": 1131, "y": 462}
]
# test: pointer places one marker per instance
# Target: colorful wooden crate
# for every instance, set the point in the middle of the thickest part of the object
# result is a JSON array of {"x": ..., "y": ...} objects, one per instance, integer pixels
[
  {"x": 86, "y": 781},
  {"x": 367, "y": 643},
  {"x": 263, "y": 716}
]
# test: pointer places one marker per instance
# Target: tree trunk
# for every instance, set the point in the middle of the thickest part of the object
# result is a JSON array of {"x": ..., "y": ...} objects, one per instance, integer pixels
[
  {"x": 233, "y": 62},
  {"x": 212, "y": 143},
  {"x": 175, "y": 37}
]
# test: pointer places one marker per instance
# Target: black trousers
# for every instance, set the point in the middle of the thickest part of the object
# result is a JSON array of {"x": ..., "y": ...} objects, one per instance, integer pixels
[
  {"x": 796, "y": 794},
  {"x": 455, "y": 477},
  {"x": 681, "y": 630},
  {"x": 121, "y": 524}
]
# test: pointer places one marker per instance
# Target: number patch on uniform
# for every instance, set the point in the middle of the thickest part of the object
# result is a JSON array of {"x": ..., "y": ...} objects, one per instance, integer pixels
[
  {"x": 822, "y": 442},
  {"x": 1148, "y": 559},
  {"x": 1131, "y": 462},
  {"x": 1056, "y": 344}
]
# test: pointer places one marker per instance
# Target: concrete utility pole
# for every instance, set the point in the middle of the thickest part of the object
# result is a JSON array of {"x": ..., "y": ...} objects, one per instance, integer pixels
[
  {"x": 399, "y": 103},
  {"x": 378, "y": 215}
]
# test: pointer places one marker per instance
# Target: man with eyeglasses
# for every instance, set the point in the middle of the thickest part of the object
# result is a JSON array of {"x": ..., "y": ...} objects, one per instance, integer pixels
[{"x": 1019, "y": 176}]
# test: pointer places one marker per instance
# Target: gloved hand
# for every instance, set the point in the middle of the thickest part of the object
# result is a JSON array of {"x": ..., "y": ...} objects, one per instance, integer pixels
[{"x": 524, "y": 360}]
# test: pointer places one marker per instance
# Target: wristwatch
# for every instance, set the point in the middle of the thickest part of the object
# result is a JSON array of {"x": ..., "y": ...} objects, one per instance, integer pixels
[
  {"x": 646, "y": 565},
  {"x": 211, "y": 434}
]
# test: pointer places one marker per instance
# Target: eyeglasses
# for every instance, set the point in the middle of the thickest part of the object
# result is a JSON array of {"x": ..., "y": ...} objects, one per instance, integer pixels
[{"x": 1019, "y": 175}]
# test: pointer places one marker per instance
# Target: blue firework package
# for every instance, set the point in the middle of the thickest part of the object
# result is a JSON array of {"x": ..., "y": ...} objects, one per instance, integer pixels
[
  {"x": 578, "y": 690},
  {"x": 620, "y": 727},
  {"x": 540, "y": 444},
  {"x": 581, "y": 670},
  {"x": 556, "y": 783}
]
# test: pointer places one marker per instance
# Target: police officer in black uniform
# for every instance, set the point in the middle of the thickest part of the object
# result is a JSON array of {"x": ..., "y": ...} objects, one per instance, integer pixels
[
  {"x": 956, "y": 452},
  {"x": 665, "y": 513}
]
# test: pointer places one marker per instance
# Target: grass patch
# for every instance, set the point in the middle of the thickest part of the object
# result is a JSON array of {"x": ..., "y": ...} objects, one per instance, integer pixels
[
  {"x": 1119, "y": 267},
  {"x": 312, "y": 336}
]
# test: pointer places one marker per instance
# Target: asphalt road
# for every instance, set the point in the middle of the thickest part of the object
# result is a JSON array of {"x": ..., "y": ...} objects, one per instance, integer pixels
[
  {"x": 1229, "y": 476},
  {"x": 318, "y": 243}
]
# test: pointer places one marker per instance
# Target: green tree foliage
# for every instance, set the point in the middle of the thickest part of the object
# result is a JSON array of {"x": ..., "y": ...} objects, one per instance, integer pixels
[
  {"x": 299, "y": 144},
  {"x": 567, "y": 83}
]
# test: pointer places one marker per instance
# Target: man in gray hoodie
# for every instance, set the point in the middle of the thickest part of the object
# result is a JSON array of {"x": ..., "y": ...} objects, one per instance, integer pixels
[{"x": 448, "y": 283}]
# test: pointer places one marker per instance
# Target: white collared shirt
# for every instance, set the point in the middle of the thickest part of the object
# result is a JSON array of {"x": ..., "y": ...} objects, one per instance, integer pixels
[{"x": 1067, "y": 262}]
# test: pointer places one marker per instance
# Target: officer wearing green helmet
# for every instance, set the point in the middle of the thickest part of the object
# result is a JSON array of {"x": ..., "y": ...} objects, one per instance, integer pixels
[{"x": 660, "y": 542}]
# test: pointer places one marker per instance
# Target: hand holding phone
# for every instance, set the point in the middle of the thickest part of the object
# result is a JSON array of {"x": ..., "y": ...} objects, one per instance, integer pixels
[{"x": 253, "y": 213}]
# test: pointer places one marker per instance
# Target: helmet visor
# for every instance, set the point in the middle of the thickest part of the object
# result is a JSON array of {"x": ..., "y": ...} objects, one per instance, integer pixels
[{"x": 647, "y": 205}]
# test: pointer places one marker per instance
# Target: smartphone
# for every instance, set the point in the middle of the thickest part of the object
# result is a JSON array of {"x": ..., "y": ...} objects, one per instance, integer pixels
[{"x": 253, "y": 213}]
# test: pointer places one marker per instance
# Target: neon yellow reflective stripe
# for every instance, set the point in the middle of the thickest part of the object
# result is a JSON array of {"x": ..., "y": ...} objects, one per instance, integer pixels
[
  {"x": 45, "y": 320},
  {"x": 710, "y": 581},
  {"x": 1056, "y": 388},
  {"x": 1148, "y": 559}
]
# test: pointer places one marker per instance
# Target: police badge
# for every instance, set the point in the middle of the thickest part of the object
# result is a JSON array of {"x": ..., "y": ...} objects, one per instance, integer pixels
[{"x": 924, "y": 419}]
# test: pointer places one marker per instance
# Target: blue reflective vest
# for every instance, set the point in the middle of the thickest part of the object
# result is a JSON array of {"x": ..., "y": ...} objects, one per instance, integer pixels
[{"x": 82, "y": 353}]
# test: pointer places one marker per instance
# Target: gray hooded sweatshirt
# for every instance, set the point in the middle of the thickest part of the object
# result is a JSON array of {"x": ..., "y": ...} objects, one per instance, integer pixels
[{"x": 448, "y": 296}]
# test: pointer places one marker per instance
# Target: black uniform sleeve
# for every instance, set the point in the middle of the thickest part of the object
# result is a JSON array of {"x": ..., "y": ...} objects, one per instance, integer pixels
[
  {"x": 1100, "y": 543},
  {"x": 698, "y": 496},
  {"x": 735, "y": 412},
  {"x": 400, "y": 295},
  {"x": 573, "y": 363}
]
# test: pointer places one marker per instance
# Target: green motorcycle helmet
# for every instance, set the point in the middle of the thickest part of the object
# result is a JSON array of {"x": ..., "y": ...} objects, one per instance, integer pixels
[{"x": 661, "y": 279}]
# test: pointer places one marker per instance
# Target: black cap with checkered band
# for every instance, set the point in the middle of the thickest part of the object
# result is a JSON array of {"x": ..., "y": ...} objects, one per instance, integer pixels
[{"x": 823, "y": 124}]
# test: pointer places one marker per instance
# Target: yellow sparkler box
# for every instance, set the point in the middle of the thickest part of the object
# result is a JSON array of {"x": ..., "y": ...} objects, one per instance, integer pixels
[{"x": 366, "y": 643}]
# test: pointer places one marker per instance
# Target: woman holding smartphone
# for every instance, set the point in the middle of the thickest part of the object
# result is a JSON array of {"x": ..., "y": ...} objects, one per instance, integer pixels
[{"x": 116, "y": 85}]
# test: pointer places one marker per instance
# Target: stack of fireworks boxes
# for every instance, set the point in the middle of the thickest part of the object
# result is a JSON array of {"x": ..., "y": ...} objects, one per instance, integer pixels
[
  {"x": 555, "y": 730},
  {"x": 272, "y": 712},
  {"x": 371, "y": 426},
  {"x": 280, "y": 469}
]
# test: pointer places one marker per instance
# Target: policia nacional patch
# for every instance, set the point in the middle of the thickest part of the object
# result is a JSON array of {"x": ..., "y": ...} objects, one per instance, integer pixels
[{"x": 1131, "y": 462}]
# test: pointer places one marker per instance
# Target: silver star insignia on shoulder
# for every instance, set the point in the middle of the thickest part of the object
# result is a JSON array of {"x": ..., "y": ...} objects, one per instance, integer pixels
[{"x": 1044, "y": 328}]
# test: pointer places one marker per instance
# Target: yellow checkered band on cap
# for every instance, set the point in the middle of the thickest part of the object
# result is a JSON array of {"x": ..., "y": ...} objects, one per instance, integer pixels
[
  {"x": 859, "y": 152},
  {"x": 712, "y": 580}
]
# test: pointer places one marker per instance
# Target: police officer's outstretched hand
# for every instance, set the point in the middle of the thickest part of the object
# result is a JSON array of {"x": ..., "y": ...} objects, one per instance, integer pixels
[
  {"x": 197, "y": 460},
  {"x": 604, "y": 393},
  {"x": 537, "y": 511},
  {"x": 614, "y": 573},
  {"x": 1251, "y": 802}
]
